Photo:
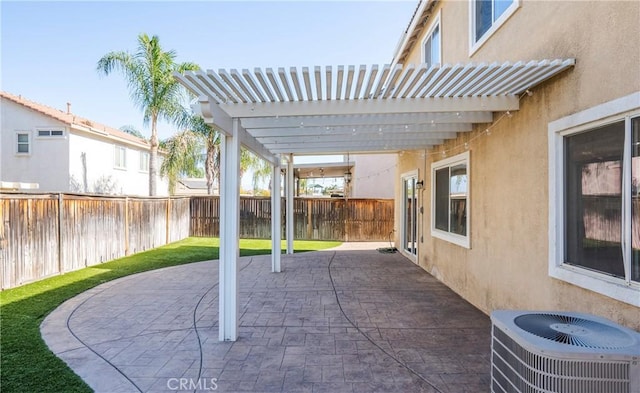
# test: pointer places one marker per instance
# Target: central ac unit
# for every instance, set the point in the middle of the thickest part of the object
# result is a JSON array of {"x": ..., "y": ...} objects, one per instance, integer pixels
[{"x": 562, "y": 352}]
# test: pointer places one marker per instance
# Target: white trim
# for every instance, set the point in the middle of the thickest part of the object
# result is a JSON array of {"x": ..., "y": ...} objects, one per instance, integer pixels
[
  {"x": 143, "y": 168},
  {"x": 276, "y": 219},
  {"x": 495, "y": 25},
  {"x": 434, "y": 23},
  {"x": 290, "y": 213},
  {"x": 463, "y": 241},
  {"x": 228, "y": 287},
  {"x": 403, "y": 208},
  {"x": 50, "y": 129},
  {"x": 612, "y": 111},
  {"x": 116, "y": 165},
  {"x": 16, "y": 143}
]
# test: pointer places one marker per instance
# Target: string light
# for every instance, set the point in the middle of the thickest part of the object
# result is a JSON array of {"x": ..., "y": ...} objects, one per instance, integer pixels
[{"x": 487, "y": 131}]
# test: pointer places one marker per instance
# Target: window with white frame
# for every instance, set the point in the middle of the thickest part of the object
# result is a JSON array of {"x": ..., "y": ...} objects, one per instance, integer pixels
[
  {"x": 432, "y": 44},
  {"x": 23, "y": 143},
  {"x": 120, "y": 157},
  {"x": 46, "y": 132},
  {"x": 486, "y": 16},
  {"x": 450, "y": 199},
  {"x": 595, "y": 200},
  {"x": 144, "y": 161}
]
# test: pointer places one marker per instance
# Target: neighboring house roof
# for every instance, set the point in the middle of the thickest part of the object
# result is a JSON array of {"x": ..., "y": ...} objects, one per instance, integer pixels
[
  {"x": 194, "y": 184},
  {"x": 75, "y": 121}
]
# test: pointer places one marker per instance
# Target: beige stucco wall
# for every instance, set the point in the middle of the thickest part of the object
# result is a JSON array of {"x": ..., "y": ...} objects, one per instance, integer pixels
[
  {"x": 373, "y": 176},
  {"x": 507, "y": 265}
]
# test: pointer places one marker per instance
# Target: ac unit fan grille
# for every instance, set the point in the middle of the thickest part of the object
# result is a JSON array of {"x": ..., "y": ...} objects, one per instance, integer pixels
[
  {"x": 517, "y": 370},
  {"x": 572, "y": 330}
]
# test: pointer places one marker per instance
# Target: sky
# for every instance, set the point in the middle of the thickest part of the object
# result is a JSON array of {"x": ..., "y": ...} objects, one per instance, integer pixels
[{"x": 49, "y": 50}]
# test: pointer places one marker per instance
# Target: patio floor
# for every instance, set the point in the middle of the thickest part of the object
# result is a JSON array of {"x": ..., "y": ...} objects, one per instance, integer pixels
[{"x": 342, "y": 320}]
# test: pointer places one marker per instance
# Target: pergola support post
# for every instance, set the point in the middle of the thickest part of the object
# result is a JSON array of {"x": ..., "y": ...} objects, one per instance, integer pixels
[
  {"x": 276, "y": 220},
  {"x": 289, "y": 201},
  {"x": 229, "y": 234}
]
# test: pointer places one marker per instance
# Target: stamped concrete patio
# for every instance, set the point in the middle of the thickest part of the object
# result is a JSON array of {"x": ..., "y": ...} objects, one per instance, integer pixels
[{"x": 342, "y": 320}]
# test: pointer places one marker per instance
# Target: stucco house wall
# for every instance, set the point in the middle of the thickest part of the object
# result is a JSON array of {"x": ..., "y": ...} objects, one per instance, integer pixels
[
  {"x": 373, "y": 176},
  {"x": 507, "y": 264},
  {"x": 48, "y": 159},
  {"x": 80, "y": 160}
]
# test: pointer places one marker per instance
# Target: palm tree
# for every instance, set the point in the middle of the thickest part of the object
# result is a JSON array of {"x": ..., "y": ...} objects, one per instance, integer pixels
[
  {"x": 260, "y": 168},
  {"x": 261, "y": 171},
  {"x": 211, "y": 140},
  {"x": 131, "y": 130},
  {"x": 183, "y": 157},
  {"x": 152, "y": 87}
]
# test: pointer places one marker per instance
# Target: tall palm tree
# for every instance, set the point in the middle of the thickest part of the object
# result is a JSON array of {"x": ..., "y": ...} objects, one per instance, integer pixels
[
  {"x": 152, "y": 87},
  {"x": 183, "y": 157},
  {"x": 211, "y": 140}
]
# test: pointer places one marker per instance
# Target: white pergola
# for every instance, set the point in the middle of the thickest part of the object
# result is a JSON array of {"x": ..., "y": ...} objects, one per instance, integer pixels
[{"x": 338, "y": 110}]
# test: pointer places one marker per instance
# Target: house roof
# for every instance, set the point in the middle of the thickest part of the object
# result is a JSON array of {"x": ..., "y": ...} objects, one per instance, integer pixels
[
  {"x": 75, "y": 121},
  {"x": 337, "y": 110},
  {"x": 195, "y": 184},
  {"x": 413, "y": 31}
]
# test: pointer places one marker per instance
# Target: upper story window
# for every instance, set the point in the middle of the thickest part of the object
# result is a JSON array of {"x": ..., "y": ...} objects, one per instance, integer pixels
[
  {"x": 50, "y": 132},
  {"x": 486, "y": 16},
  {"x": 595, "y": 201},
  {"x": 432, "y": 44},
  {"x": 450, "y": 196},
  {"x": 23, "y": 143},
  {"x": 120, "y": 157},
  {"x": 144, "y": 161}
]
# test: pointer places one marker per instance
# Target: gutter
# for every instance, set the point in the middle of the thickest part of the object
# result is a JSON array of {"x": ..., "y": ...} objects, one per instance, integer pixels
[{"x": 424, "y": 5}]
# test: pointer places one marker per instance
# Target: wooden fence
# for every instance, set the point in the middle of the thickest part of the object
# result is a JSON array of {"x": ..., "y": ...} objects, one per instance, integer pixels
[
  {"x": 315, "y": 219},
  {"x": 47, "y": 234}
]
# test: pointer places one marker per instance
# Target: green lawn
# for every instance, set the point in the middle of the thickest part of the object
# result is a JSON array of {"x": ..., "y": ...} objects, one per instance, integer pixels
[{"x": 27, "y": 365}]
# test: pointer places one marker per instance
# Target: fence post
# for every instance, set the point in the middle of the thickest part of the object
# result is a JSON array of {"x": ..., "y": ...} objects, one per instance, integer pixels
[
  {"x": 60, "y": 248},
  {"x": 309, "y": 225},
  {"x": 346, "y": 219},
  {"x": 167, "y": 220},
  {"x": 126, "y": 226}
]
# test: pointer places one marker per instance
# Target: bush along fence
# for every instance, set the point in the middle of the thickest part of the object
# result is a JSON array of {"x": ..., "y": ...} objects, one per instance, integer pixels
[
  {"x": 314, "y": 218},
  {"x": 47, "y": 234}
]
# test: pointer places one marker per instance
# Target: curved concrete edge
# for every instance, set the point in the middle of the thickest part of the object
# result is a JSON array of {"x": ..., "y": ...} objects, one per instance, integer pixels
[{"x": 94, "y": 371}]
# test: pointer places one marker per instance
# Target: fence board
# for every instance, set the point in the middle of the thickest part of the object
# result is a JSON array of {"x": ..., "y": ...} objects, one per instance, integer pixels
[
  {"x": 314, "y": 218},
  {"x": 47, "y": 234}
]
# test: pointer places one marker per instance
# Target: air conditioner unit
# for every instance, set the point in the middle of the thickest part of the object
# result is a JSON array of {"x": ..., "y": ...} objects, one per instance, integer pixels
[{"x": 562, "y": 352}]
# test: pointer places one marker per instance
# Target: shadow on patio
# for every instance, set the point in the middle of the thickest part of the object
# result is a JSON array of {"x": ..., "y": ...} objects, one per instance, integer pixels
[{"x": 332, "y": 321}]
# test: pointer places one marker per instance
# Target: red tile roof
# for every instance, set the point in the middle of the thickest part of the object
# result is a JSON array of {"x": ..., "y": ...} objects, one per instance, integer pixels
[{"x": 72, "y": 119}]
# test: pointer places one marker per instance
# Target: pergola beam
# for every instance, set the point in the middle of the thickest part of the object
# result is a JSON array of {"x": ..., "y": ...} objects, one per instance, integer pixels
[
  {"x": 371, "y": 119},
  {"x": 372, "y": 106},
  {"x": 330, "y": 132}
]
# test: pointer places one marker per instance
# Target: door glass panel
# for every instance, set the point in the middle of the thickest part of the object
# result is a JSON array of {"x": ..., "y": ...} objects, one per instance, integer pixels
[
  {"x": 635, "y": 199},
  {"x": 410, "y": 226},
  {"x": 593, "y": 199}
]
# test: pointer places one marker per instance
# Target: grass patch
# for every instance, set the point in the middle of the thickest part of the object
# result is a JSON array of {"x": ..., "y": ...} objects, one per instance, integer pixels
[{"x": 27, "y": 365}]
